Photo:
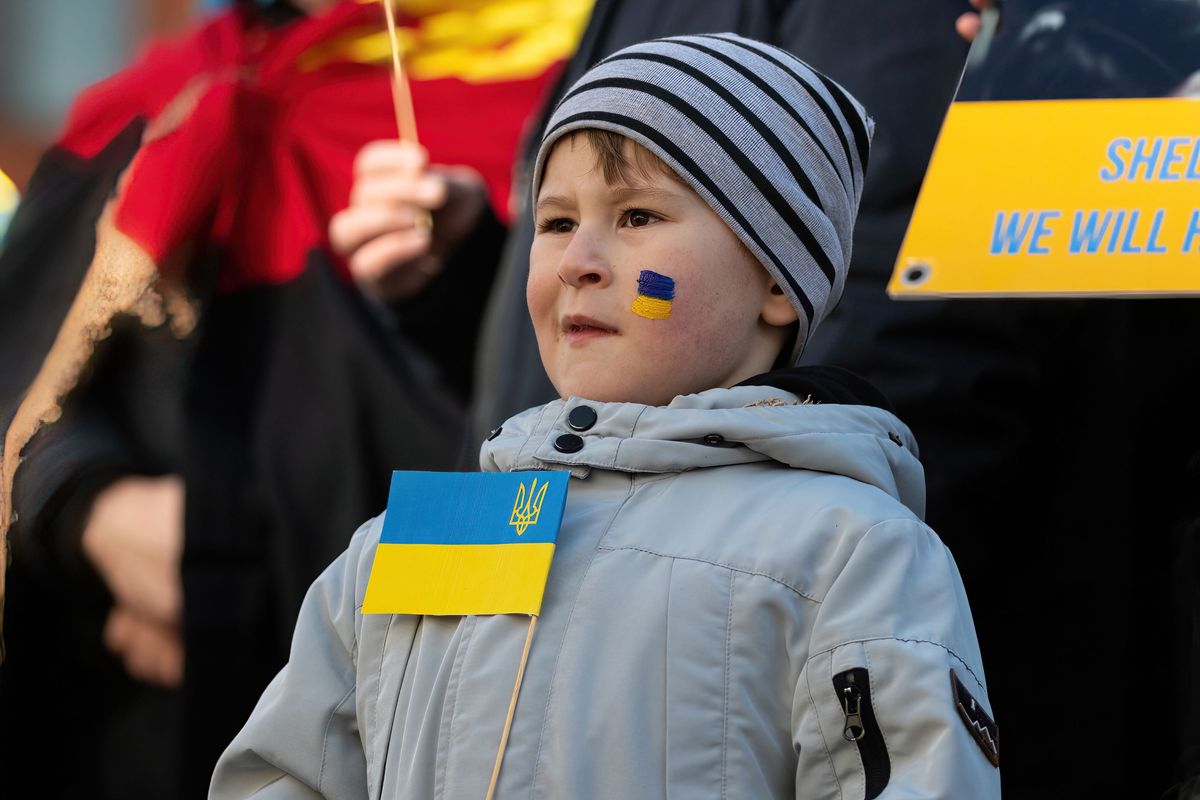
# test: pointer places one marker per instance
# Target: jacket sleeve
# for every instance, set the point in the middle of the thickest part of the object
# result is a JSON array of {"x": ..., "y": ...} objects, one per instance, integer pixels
[
  {"x": 302, "y": 739},
  {"x": 891, "y": 702}
]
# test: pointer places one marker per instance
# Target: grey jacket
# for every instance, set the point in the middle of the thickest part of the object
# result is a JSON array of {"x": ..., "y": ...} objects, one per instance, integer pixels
[{"x": 727, "y": 567}]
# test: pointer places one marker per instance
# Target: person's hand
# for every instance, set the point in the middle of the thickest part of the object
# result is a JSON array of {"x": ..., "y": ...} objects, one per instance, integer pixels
[
  {"x": 151, "y": 652},
  {"x": 134, "y": 538},
  {"x": 404, "y": 218},
  {"x": 968, "y": 24}
]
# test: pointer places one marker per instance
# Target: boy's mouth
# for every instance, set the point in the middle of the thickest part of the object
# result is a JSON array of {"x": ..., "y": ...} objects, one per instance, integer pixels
[{"x": 578, "y": 329}]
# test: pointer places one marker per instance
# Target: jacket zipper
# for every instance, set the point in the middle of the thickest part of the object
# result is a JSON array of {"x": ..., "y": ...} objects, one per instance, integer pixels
[{"x": 853, "y": 689}]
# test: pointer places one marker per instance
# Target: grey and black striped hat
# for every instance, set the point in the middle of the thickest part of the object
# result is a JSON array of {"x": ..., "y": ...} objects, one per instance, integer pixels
[{"x": 774, "y": 147}]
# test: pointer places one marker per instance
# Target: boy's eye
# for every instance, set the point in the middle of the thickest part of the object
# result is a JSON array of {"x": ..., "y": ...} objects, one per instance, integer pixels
[
  {"x": 639, "y": 218},
  {"x": 557, "y": 225}
]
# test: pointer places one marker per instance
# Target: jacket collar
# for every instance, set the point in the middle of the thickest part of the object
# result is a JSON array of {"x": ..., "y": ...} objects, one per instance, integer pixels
[{"x": 739, "y": 425}]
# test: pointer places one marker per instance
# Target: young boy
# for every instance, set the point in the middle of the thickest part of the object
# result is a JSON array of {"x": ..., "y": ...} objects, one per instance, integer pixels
[{"x": 744, "y": 601}]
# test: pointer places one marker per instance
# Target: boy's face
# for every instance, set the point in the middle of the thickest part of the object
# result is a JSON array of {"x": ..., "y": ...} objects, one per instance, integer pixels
[{"x": 595, "y": 239}]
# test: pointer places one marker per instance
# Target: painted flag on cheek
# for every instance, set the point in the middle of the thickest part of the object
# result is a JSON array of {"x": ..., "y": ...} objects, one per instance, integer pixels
[
  {"x": 656, "y": 293},
  {"x": 466, "y": 543}
]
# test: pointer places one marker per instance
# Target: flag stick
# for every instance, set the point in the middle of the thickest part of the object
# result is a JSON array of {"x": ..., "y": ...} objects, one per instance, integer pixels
[
  {"x": 512, "y": 707},
  {"x": 406, "y": 121}
]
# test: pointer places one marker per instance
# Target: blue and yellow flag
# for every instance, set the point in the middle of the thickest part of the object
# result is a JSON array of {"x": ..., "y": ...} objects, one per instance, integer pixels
[{"x": 466, "y": 543}]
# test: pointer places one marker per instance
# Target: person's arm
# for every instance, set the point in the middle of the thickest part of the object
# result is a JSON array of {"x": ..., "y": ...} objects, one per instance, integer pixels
[
  {"x": 893, "y": 654},
  {"x": 423, "y": 241},
  {"x": 303, "y": 738}
]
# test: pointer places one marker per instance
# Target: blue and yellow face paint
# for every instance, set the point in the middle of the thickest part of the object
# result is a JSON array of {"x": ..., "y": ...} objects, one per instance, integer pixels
[{"x": 655, "y": 295}]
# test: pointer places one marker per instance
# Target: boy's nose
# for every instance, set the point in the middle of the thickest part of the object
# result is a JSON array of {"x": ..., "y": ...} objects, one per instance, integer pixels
[{"x": 584, "y": 263}]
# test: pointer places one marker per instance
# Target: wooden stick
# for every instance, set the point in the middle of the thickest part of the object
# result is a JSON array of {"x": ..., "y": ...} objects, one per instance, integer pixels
[
  {"x": 406, "y": 120},
  {"x": 512, "y": 707}
]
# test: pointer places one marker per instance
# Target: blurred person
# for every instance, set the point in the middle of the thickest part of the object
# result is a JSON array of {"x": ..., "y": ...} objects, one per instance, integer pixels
[
  {"x": 1061, "y": 461},
  {"x": 181, "y": 354},
  {"x": 1069, "y": 50}
]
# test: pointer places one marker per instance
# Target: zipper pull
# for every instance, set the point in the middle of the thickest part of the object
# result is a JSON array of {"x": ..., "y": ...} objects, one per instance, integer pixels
[{"x": 852, "y": 708}]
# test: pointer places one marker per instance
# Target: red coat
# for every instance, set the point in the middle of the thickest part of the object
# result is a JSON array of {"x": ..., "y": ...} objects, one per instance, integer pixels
[{"x": 261, "y": 126}]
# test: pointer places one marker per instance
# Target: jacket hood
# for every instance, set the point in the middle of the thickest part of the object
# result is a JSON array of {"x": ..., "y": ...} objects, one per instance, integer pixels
[
  {"x": 740, "y": 425},
  {"x": 824, "y": 384}
]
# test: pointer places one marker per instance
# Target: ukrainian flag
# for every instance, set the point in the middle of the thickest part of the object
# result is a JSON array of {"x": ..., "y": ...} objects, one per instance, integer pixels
[
  {"x": 655, "y": 295},
  {"x": 466, "y": 543}
]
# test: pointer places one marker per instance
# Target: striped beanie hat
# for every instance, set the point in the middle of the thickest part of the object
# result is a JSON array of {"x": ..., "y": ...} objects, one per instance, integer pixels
[{"x": 774, "y": 147}]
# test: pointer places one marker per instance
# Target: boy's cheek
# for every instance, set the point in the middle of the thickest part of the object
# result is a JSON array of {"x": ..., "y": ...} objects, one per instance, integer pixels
[
  {"x": 700, "y": 329},
  {"x": 678, "y": 342},
  {"x": 541, "y": 293},
  {"x": 690, "y": 309}
]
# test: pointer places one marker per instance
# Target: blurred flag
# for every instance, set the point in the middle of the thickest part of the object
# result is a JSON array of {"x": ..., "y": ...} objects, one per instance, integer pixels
[
  {"x": 468, "y": 61},
  {"x": 8, "y": 203}
]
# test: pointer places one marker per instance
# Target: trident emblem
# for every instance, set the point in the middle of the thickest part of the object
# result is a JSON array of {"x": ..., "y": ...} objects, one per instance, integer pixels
[{"x": 527, "y": 506}]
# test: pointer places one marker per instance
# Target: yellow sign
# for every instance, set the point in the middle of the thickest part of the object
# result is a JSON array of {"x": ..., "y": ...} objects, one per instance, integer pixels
[{"x": 1058, "y": 198}]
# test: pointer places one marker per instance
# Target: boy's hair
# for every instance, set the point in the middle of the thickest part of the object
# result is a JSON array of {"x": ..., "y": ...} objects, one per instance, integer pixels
[
  {"x": 776, "y": 149},
  {"x": 613, "y": 158}
]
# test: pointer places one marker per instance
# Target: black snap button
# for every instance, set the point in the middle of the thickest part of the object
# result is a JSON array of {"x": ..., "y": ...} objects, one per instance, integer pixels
[
  {"x": 895, "y": 439},
  {"x": 581, "y": 418},
  {"x": 568, "y": 443},
  {"x": 714, "y": 440},
  {"x": 495, "y": 433}
]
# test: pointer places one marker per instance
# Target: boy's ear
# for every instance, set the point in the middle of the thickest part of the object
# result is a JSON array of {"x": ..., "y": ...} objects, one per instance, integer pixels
[{"x": 777, "y": 309}]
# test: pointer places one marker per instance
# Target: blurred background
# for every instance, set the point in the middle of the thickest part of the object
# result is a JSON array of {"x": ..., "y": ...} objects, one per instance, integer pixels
[
  {"x": 1049, "y": 431},
  {"x": 37, "y": 80}
]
